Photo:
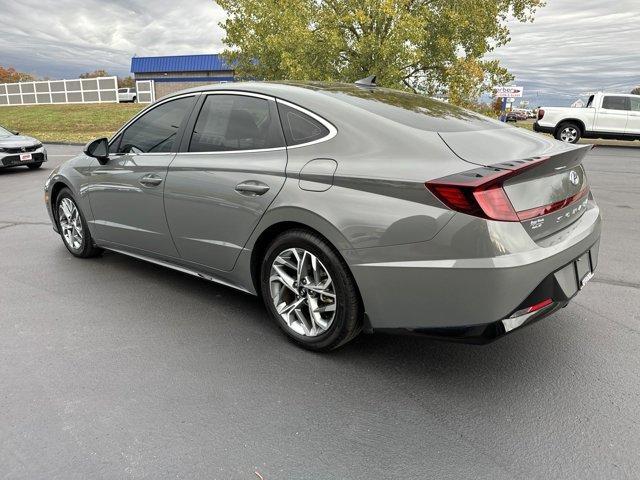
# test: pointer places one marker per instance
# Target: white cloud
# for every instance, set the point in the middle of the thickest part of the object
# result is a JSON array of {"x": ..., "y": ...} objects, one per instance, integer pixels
[
  {"x": 573, "y": 47},
  {"x": 68, "y": 37}
]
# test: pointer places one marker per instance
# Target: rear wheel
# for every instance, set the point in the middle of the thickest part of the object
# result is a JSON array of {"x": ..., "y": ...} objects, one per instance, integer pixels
[
  {"x": 73, "y": 227},
  {"x": 568, "y": 132},
  {"x": 34, "y": 166},
  {"x": 309, "y": 292}
]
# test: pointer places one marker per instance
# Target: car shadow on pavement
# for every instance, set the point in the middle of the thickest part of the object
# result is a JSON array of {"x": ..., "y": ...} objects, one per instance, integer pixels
[{"x": 507, "y": 361}]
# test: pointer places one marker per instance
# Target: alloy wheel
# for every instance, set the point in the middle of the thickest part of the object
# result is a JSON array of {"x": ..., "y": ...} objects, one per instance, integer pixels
[
  {"x": 70, "y": 223},
  {"x": 569, "y": 134},
  {"x": 302, "y": 292}
]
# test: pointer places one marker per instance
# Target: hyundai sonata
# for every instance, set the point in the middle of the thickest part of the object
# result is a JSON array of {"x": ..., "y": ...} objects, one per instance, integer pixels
[{"x": 344, "y": 207}]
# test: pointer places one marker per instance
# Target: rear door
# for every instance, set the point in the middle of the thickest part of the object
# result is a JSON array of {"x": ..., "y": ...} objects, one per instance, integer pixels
[
  {"x": 126, "y": 194},
  {"x": 230, "y": 168},
  {"x": 633, "y": 121},
  {"x": 612, "y": 116}
]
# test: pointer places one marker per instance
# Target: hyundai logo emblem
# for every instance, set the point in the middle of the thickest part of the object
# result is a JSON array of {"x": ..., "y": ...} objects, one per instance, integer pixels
[{"x": 574, "y": 177}]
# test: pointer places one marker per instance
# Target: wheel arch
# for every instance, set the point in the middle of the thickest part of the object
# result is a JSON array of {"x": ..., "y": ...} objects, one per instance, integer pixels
[
  {"x": 282, "y": 219},
  {"x": 576, "y": 121},
  {"x": 57, "y": 187}
]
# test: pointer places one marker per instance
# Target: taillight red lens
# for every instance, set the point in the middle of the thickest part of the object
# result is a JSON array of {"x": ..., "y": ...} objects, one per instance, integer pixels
[
  {"x": 495, "y": 204},
  {"x": 480, "y": 192},
  {"x": 540, "y": 114}
]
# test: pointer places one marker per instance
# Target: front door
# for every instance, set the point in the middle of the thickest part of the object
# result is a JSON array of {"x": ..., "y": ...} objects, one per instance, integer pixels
[
  {"x": 230, "y": 168},
  {"x": 126, "y": 193}
]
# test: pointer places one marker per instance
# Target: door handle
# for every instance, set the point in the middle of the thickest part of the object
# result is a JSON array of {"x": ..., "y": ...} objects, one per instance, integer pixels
[
  {"x": 151, "y": 180},
  {"x": 252, "y": 188}
]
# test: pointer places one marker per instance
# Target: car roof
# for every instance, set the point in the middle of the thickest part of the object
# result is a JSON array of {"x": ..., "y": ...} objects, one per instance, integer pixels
[{"x": 336, "y": 101}]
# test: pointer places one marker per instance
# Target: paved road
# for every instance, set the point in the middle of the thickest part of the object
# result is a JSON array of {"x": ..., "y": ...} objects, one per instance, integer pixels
[{"x": 113, "y": 368}]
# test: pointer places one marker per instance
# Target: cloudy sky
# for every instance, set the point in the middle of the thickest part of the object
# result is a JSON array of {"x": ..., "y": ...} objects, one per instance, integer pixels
[{"x": 573, "y": 47}]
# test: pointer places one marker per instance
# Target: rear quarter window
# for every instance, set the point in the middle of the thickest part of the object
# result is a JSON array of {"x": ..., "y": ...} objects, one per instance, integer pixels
[{"x": 300, "y": 128}]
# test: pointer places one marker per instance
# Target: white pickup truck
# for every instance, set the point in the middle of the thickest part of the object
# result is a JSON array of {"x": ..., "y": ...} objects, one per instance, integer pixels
[{"x": 607, "y": 115}]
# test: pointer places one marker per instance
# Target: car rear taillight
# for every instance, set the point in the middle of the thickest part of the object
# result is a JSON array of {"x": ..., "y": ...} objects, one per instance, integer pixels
[
  {"x": 480, "y": 193},
  {"x": 540, "y": 114}
]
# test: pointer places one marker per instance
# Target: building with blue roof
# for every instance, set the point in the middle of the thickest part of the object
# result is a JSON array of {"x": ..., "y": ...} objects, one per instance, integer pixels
[{"x": 177, "y": 72}]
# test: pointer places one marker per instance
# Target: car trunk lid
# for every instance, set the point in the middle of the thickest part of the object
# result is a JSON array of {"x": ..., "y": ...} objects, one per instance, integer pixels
[{"x": 544, "y": 180}]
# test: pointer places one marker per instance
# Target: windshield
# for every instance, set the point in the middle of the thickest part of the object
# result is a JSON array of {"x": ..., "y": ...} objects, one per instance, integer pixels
[
  {"x": 122, "y": 90},
  {"x": 5, "y": 133},
  {"x": 413, "y": 110}
]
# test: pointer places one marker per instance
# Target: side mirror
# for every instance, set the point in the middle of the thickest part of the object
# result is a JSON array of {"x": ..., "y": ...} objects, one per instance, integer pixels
[
  {"x": 98, "y": 149},
  {"x": 16, "y": 133}
]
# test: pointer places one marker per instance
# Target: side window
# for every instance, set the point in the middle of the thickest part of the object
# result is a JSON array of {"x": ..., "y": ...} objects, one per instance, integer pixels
[
  {"x": 299, "y": 127},
  {"x": 155, "y": 131},
  {"x": 615, "y": 103},
  {"x": 635, "y": 104},
  {"x": 235, "y": 122},
  {"x": 590, "y": 102}
]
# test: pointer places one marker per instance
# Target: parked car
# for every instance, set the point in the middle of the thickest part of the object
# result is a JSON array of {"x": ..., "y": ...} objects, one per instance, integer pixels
[
  {"x": 607, "y": 115},
  {"x": 127, "y": 95},
  {"x": 516, "y": 115},
  {"x": 344, "y": 207},
  {"x": 17, "y": 150}
]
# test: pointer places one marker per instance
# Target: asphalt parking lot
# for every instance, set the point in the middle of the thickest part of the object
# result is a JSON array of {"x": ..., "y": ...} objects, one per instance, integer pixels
[{"x": 114, "y": 368}]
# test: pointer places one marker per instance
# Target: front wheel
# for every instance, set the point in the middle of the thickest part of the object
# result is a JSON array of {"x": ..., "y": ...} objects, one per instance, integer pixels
[
  {"x": 73, "y": 227},
  {"x": 569, "y": 133},
  {"x": 309, "y": 291}
]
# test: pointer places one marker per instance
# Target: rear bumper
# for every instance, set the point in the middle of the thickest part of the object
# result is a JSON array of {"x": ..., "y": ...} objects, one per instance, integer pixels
[
  {"x": 465, "y": 297},
  {"x": 539, "y": 128}
]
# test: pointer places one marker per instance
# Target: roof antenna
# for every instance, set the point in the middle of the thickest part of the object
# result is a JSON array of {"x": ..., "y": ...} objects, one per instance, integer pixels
[{"x": 367, "y": 82}]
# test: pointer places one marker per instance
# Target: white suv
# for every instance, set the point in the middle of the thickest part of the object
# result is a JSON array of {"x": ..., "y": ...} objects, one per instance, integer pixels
[
  {"x": 127, "y": 95},
  {"x": 607, "y": 115}
]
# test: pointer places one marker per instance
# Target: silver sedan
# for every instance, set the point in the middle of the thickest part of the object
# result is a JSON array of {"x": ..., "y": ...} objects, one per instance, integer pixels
[
  {"x": 346, "y": 208},
  {"x": 18, "y": 150}
]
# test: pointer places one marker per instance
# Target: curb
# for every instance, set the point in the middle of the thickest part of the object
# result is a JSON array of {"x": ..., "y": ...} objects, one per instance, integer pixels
[{"x": 64, "y": 143}]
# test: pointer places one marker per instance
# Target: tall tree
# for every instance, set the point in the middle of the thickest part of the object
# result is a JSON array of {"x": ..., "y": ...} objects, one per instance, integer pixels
[
  {"x": 94, "y": 74},
  {"x": 11, "y": 75},
  {"x": 433, "y": 46}
]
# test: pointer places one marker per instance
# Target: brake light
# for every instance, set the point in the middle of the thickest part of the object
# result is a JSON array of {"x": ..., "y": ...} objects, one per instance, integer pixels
[
  {"x": 540, "y": 114},
  {"x": 480, "y": 193}
]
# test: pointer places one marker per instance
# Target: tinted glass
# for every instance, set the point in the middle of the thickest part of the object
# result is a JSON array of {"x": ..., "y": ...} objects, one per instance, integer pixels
[
  {"x": 156, "y": 130},
  {"x": 235, "y": 122},
  {"x": 5, "y": 133},
  {"x": 411, "y": 109},
  {"x": 635, "y": 104},
  {"x": 299, "y": 127},
  {"x": 615, "y": 103},
  {"x": 123, "y": 90}
]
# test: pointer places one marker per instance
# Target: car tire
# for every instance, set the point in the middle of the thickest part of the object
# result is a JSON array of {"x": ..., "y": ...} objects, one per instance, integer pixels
[
  {"x": 34, "y": 166},
  {"x": 568, "y": 132},
  {"x": 341, "y": 318},
  {"x": 78, "y": 241}
]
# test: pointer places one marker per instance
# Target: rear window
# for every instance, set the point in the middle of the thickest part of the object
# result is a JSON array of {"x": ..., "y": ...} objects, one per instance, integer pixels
[{"x": 414, "y": 110}]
